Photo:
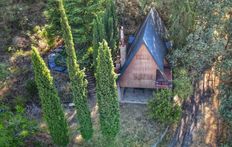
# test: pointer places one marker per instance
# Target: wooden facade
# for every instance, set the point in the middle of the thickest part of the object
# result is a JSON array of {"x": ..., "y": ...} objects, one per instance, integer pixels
[{"x": 141, "y": 73}]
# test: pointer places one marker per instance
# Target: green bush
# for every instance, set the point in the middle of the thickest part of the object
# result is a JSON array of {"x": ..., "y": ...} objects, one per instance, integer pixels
[
  {"x": 182, "y": 83},
  {"x": 162, "y": 109},
  {"x": 15, "y": 127}
]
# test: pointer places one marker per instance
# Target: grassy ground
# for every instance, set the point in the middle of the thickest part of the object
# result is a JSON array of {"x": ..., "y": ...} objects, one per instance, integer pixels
[{"x": 137, "y": 130}]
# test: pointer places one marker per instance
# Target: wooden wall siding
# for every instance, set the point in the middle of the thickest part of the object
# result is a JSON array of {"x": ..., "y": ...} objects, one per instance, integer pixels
[{"x": 141, "y": 73}]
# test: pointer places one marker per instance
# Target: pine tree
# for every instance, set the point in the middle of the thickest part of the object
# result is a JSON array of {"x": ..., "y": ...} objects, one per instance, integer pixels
[
  {"x": 51, "y": 105},
  {"x": 77, "y": 78},
  {"x": 107, "y": 97}
]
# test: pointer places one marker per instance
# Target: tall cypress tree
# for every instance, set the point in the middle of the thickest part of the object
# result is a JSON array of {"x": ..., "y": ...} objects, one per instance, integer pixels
[
  {"x": 110, "y": 22},
  {"x": 107, "y": 96},
  {"x": 98, "y": 36},
  {"x": 50, "y": 101},
  {"x": 77, "y": 77},
  {"x": 106, "y": 27}
]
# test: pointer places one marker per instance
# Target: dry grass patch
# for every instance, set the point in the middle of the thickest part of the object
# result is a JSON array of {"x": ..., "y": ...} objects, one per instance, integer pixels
[{"x": 137, "y": 130}]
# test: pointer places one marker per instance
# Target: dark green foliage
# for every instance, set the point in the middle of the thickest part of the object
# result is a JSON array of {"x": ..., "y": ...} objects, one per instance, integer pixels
[
  {"x": 106, "y": 27},
  {"x": 98, "y": 36},
  {"x": 4, "y": 72},
  {"x": 162, "y": 109},
  {"x": 53, "y": 17},
  {"x": 86, "y": 59},
  {"x": 51, "y": 105},
  {"x": 110, "y": 22},
  {"x": 107, "y": 97},
  {"x": 226, "y": 104},
  {"x": 224, "y": 67},
  {"x": 208, "y": 44},
  {"x": 182, "y": 83},
  {"x": 77, "y": 78},
  {"x": 80, "y": 15},
  {"x": 203, "y": 49},
  {"x": 15, "y": 127},
  {"x": 182, "y": 20},
  {"x": 31, "y": 87}
]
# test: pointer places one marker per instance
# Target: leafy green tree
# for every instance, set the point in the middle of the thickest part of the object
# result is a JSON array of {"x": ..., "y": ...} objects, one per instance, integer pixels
[
  {"x": 107, "y": 97},
  {"x": 182, "y": 20},
  {"x": 209, "y": 44},
  {"x": 51, "y": 105},
  {"x": 77, "y": 78}
]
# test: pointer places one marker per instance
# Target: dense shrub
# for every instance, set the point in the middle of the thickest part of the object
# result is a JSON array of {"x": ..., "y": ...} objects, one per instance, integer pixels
[
  {"x": 162, "y": 109},
  {"x": 15, "y": 127},
  {"x": 77, "y": 78},
  {"x": 51, "y": 105},
  {"x": 182, "y": 83},
  {"x": 107, "y": 96}
]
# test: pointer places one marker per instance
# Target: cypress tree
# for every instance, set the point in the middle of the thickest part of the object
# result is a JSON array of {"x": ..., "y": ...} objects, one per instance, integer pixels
[
  {"x": 106, "y": 27},
  {"x": 110, "y": 22},
  {"x": 77, "y": 77},
  {"x": 98, "y": 36},
  {"x": 107, "y": 96},
  {"x": 51, "y": 105}
]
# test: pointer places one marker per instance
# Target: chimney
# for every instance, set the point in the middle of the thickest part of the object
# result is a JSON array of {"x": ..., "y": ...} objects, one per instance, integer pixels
[{"x": 122, "y": 46}]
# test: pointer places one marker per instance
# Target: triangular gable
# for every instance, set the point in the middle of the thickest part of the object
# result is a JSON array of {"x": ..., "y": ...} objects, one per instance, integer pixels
[{"x": 149, "y": 34}]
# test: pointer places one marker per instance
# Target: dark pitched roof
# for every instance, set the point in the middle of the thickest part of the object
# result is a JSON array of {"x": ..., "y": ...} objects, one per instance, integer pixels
[{"x": 151, "y": 34}]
